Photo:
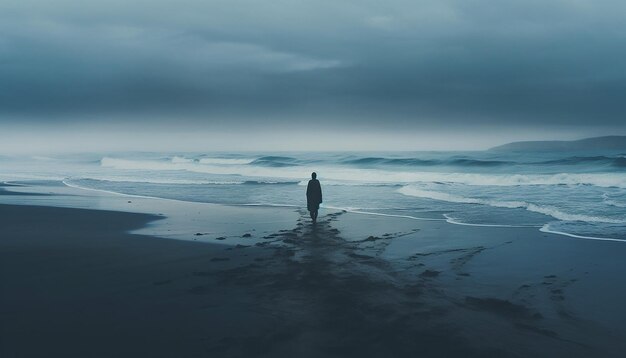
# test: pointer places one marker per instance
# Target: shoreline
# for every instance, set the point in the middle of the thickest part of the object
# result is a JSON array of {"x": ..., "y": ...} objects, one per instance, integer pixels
[
  {"x": 354, "y": 285},
  {"x": 541, "y": 228},
  {"x": 446, "y": 218}
]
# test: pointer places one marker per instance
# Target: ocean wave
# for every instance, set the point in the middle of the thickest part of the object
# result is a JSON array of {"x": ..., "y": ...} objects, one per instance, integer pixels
[
  {"x": 391, "y": 161},
  {"x": 541, "y": 209},
  {"x": 268, "y": 161},
  {"x": 42, "y": 158},
  {"x": 226, "y": 161},
  {"x": 274, "y": 161},
  {"x": 619, "y": 161},
  {"x": 358, "y": 176},
  {"x": 596, "y": 179},
  {"x": 612, "y": 202},
  {"x": 467, "y": 162},
  {"x": 177, "y": 159},
  {"x": 479, "y": 163}
]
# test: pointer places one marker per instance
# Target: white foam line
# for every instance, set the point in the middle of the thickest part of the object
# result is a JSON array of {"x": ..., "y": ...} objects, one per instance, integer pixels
[
  {"x": 545, "y": 210},
  {"x": 10, "y": 183},
  {"x": 545, "y": 228},
  {"x": 380, "y": 214},
  {"x": 455, "y": 222}
]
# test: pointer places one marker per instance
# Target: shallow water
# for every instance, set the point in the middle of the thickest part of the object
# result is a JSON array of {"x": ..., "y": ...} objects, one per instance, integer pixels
[{"x": 575, "y": 194}]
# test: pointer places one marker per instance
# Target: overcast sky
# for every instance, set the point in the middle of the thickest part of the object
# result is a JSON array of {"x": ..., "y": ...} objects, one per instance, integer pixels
[{"x": 418, "y": 71}]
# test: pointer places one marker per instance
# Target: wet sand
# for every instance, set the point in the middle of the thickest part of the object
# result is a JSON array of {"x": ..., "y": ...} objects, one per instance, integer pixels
[{"x": 75, "y": 283}]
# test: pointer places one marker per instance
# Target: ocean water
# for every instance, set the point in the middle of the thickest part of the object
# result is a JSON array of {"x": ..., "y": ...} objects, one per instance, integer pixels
[{"x": 580, "y": 195}]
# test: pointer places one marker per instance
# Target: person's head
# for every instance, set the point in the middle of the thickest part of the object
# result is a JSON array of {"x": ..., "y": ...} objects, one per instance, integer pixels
[{"x": 313, "y": 175}]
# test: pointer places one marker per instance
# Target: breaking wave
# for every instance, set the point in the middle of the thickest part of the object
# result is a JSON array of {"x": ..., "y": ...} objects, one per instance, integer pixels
[
  {"x": 225, "y": 161},
  {"x": 274, "y": 161},
  {"x": 618, "y": 162},
  {"x": 360, "y": 176},
  {"x": 425, "y": 162},
  {"x": 541, "y": 209}
]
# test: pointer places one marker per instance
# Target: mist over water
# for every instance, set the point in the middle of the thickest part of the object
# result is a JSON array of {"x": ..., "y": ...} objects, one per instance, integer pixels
[{"x": 575, "y": 194}]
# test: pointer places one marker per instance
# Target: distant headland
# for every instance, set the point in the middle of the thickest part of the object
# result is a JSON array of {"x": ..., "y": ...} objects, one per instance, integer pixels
[{"x": 595, "y": 143}]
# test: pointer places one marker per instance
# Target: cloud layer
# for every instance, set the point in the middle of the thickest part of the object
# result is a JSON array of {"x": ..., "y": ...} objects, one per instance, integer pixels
[{"x": 405, "y": 64}]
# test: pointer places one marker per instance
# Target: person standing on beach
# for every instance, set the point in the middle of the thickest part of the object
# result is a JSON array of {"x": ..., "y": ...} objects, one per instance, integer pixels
[{"x": 313, "y": 196}]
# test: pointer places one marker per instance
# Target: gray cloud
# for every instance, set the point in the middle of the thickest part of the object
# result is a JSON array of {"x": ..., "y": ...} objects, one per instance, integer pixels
[{"x": 240, "y": 63}]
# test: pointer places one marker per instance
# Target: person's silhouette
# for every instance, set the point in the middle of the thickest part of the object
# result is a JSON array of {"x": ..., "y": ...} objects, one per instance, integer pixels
[{"x": 313, "y": 196}]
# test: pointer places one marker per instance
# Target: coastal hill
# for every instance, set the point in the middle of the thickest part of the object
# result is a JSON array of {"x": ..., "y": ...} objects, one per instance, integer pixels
[{"x": 596, "y": 143}]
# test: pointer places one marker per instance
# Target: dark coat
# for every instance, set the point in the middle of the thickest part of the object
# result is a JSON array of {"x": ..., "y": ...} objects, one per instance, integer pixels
[{"x": 313, "y": 195}]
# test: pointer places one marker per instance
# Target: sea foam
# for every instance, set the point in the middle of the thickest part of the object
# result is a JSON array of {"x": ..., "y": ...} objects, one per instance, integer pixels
[{"x": 541, "y": 209}]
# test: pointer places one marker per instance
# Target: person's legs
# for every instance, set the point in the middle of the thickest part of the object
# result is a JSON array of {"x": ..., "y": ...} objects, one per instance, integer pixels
[{"x": 314, "y": 215}]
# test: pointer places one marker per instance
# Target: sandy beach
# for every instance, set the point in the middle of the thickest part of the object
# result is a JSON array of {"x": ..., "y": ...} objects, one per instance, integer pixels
[{"x": 87, "y": 274}]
